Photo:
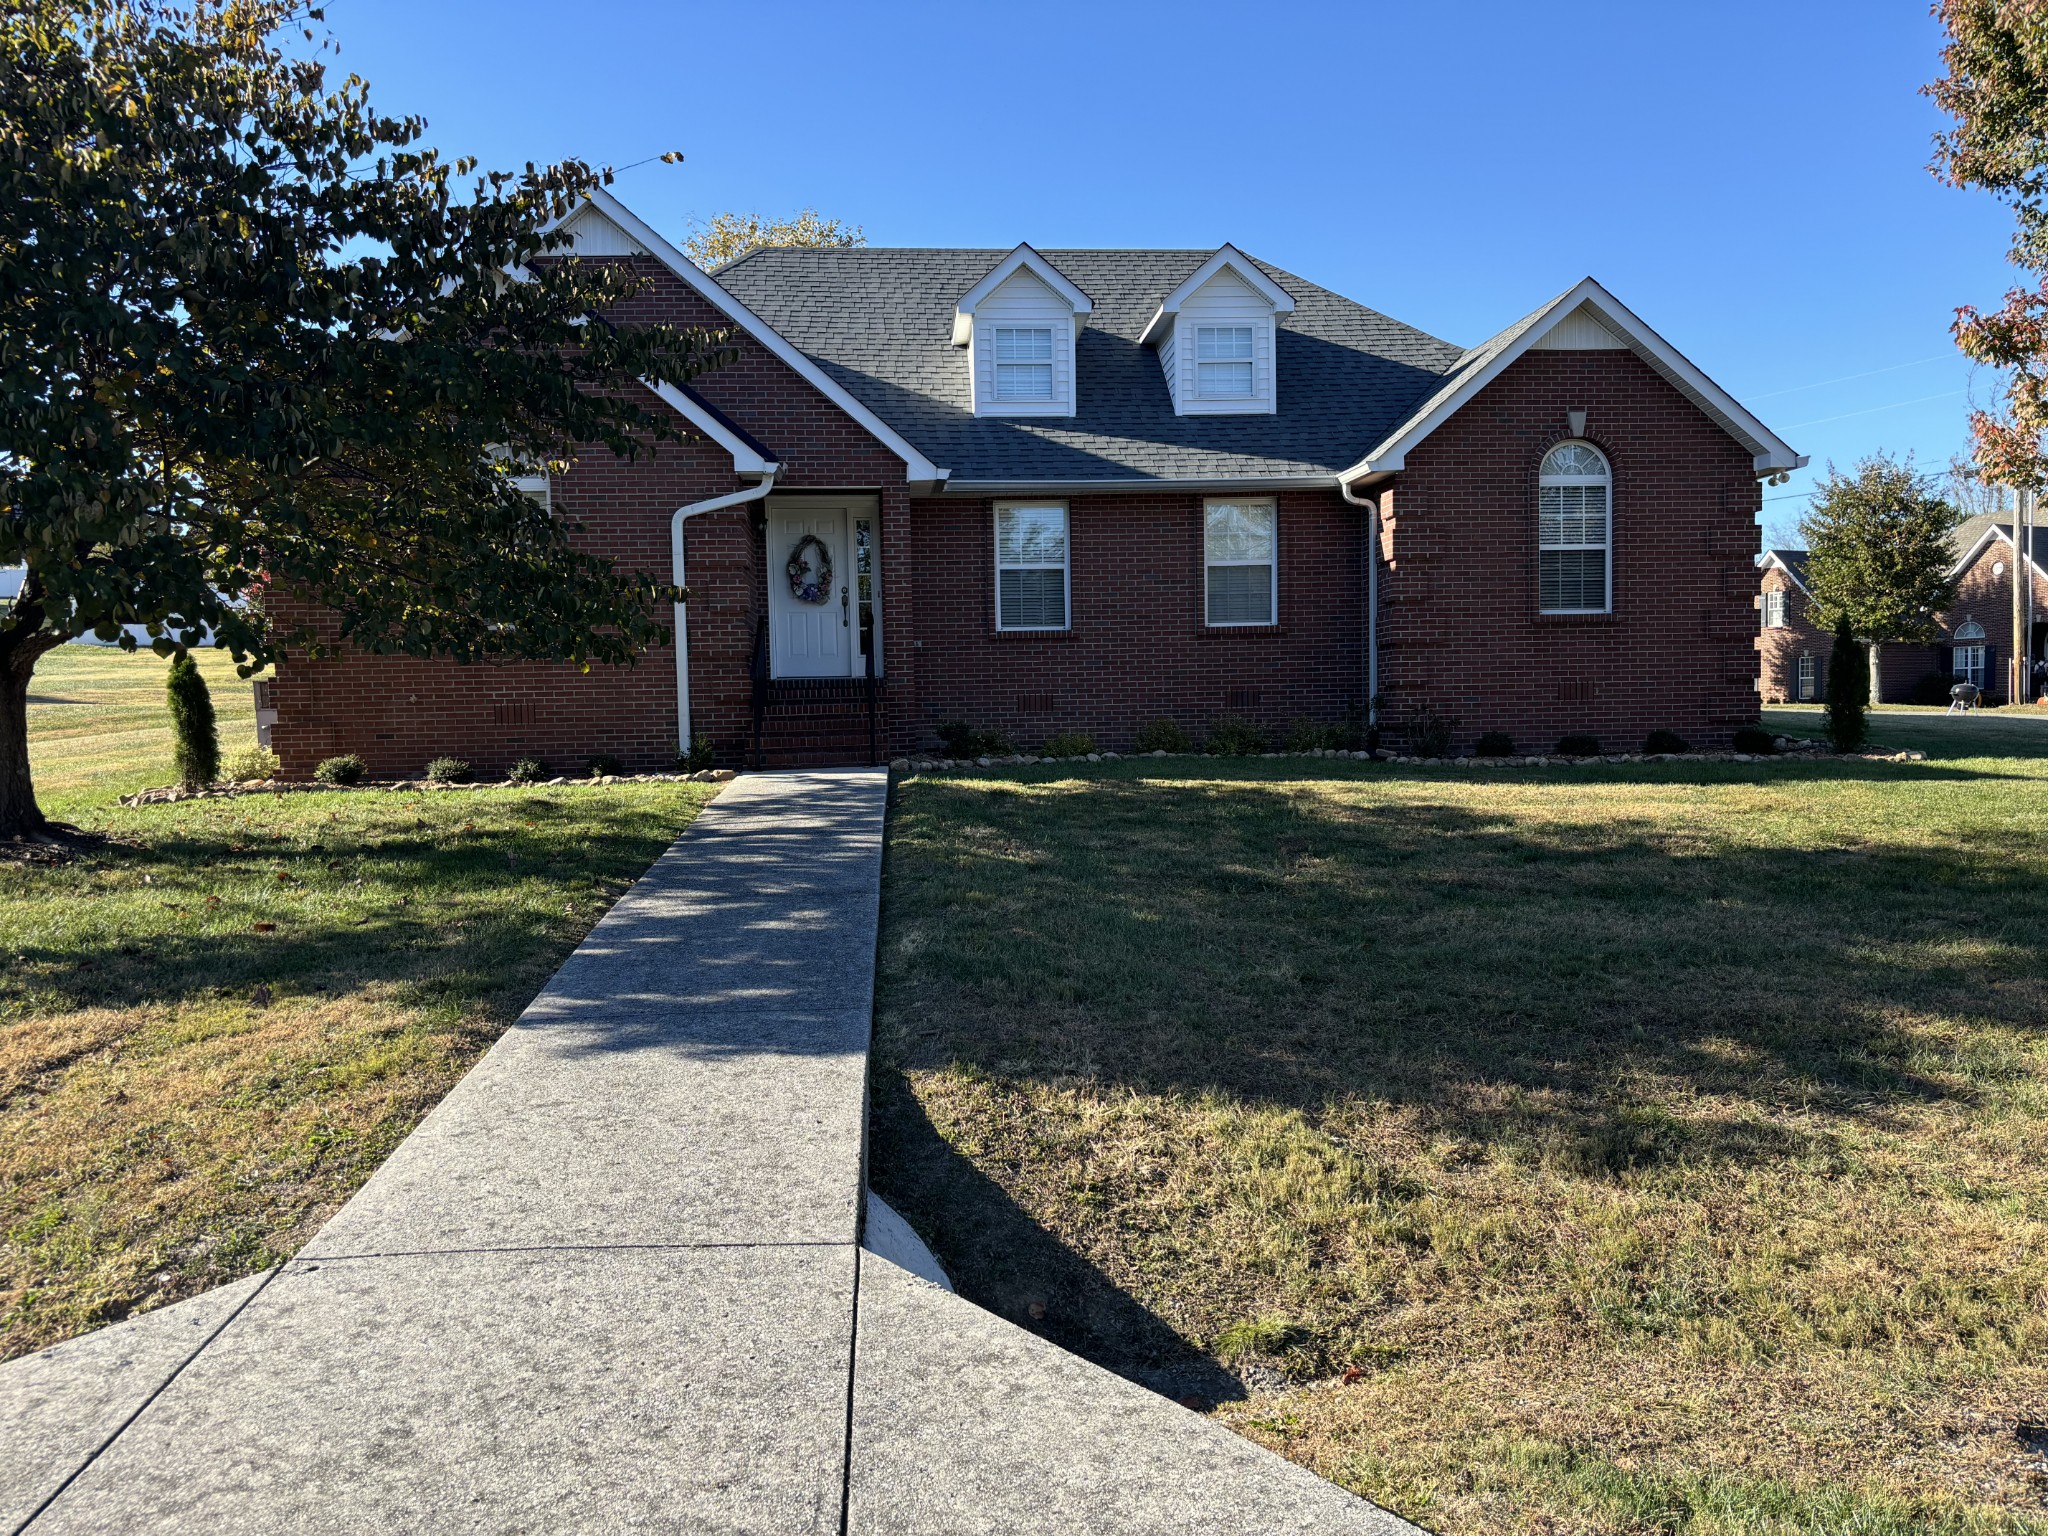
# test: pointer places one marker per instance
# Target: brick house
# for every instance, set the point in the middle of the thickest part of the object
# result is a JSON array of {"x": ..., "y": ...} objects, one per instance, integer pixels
[
  {"x": 1976, "y": 632},
  {"x": 1080, "y": 490}
]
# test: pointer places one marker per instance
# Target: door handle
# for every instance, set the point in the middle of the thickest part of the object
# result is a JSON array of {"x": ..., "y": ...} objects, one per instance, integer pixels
[{"x": 843, "y": 621}]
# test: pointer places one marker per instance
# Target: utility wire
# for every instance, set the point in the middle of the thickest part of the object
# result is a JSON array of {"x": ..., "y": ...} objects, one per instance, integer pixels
[
  {"x": 1947, "y": 394},
  {"x": 1847, "y": 378}
]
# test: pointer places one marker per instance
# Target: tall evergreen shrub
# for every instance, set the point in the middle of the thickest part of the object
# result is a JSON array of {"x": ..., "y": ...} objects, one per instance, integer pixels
[
  {"x": 195, "y": 740},
  {"x": 1848, "y": 690}
]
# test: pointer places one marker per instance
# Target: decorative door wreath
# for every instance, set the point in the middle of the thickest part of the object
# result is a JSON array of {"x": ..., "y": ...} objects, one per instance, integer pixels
[{"x": 810, "y": 574}]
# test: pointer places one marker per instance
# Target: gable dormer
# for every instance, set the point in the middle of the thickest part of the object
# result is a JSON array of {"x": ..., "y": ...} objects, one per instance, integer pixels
[
  {"x": 1216, "y": 338},
  {"x": 1018, "y": 326}
]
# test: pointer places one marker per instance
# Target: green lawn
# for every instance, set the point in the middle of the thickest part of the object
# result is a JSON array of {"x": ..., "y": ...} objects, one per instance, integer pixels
[
  {"x": 1626, "y": 1150},
  {"x": 214, "y": 1028}
]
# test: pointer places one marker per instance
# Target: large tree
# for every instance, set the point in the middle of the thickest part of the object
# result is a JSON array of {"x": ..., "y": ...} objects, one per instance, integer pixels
[
  {"x": 255, "y": 339},
  {"x": 1995, "y": 87},
  {"x": 1878, "y": 554}
]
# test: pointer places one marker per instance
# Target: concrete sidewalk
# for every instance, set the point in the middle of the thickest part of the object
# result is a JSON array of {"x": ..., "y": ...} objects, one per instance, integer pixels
[{"x": 613, "y": 1283}]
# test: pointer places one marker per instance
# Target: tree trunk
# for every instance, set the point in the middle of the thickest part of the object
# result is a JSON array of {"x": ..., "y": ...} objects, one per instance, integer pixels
[
  {"x": 23, "y": 642},
  {"x": 1876, "y": 675}
]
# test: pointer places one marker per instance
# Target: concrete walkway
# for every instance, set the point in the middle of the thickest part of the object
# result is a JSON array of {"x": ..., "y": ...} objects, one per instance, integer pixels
[{"x": 614, "y": 1283}]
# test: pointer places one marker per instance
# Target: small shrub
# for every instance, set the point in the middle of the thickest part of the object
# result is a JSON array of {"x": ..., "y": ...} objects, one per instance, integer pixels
[
  {"x": 528, "y": 770},
  {"x": 195, "y": 741},
  {"x": 1070, "y": 744},
  {"x": 449, "y": 770},
  {"x": 1432, "y": 733},
  {"x": 1665, "y": 741},
  {"x": 1233, "y": 737},
  {"x": 963, "y": 741},
  {"x": 1163, "y": 736},
  {"x": 1496, "y": 744},
  {"x": 700, "y": 756},
  {"x": 346, "y": 769},
  {"x": 1578, "y": 744},
  {"x": 601, "y": 765},
  {"x": 1308, "y": 736},
  {"x": 250, "y": 766},
  {"x": 1752, "y": 739}
]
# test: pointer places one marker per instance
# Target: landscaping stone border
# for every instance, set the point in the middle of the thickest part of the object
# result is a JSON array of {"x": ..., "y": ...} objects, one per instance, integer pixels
[{"x": 171, "y": 793}]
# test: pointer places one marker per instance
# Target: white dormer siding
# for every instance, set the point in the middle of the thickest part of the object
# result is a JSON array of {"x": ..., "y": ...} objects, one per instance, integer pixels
[
  {"x": 1023, "y": 350},
  {"x": 1217, "y": 336},
  {"x": 1018, "y": 325}
]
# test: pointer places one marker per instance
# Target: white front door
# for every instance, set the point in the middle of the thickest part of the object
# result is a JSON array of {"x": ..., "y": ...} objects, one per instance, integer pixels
[{"x": 810, "y": 577}]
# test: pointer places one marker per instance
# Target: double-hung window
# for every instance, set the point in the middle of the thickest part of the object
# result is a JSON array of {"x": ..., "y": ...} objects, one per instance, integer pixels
[
  {"x": 1774, "y": 610},
  {"x": 1241, "y": 554},
  {"x": 1223, "y": 362},
  {"x": 1969, "y": 664},
  {"x": 1024, "y": 363},
  {"x": 1809, "y": 674},
  {"x": 1031, "y": 565},
  {"x": 1574, "y": 545}
]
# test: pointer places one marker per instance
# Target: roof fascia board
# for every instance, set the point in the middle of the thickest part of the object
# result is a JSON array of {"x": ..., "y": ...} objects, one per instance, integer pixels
[
  {"x": 1996, "y": 533},
  {"x": 1771, "y": 454},
  {"x": 1770, "y": 558},
  {"x": 1023, "y": 258},
  {"x": 1247, "y": 270},
  {"x": 1219, "y": 487},
  {"x": 747, "y": 458},
  {"x": 917, "y": 468}
]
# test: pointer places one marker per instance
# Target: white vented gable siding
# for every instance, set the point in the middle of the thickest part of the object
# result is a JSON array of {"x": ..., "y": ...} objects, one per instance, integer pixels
[
  {"x": 1023, "y": 304},
  {"x": 595, "y": 235},
  {"x": 1579, "y": 331},
  {"x": 1226, "y": 301}
]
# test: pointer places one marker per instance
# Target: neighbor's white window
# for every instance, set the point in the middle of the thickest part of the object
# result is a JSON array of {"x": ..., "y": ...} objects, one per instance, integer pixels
[
  {"x": 1808, "y": 676},
  {"x": 1969, "y": 664},
  {"x": 1223, "y": 362},
  {"x": 1031, "y": 565},
  {"x": 1024, "y": 362},
  {"x": 1574, "y": 547},
  {"x": 1241, "y": 552},
  {"x": 1774, "y": 610}
]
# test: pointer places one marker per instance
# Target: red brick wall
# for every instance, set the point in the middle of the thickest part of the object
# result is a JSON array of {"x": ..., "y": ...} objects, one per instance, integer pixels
[
  {"x": 399, "y": 713},
  {"x": 1137, "y": 648},
  {"x": 1460, "y": 630},
  {"x": 1779, "y": 649}
]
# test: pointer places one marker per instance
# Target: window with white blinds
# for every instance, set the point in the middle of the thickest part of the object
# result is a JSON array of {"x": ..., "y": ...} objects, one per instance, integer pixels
[
  {"x": 1024, "y": 362},
  {"x": 1223, "y": 362},
  {"x": 1241, "y": 555},
  {"x": 1031, "y": 565},
  {"x": 1574, "y": 545}
]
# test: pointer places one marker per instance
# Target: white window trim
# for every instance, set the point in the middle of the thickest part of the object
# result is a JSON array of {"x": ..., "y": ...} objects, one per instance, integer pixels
[
  {"x": 1272, "y": 565},
  {"x": 1774, "y": 602},
  {"x": 1606, "y": 480},
  {"x": 1250, "y": 360},
  {"x": 1050, "y": 363},
  {"x": 1980, "y": 669},
  {"x": 1806, "y": 678},
  {"x": 995, "y": 528}
]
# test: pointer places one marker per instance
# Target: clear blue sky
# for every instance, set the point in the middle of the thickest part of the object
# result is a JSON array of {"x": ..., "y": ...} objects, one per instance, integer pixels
[{"x": 1749, "y": 178}]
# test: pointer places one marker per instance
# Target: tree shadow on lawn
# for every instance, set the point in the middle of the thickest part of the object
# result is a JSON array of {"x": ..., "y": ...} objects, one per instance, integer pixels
[{"x": 1605, "y": 992}]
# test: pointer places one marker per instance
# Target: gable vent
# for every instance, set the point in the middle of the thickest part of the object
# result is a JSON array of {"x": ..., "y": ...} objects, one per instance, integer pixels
[{"x": 1580, "y": 331}]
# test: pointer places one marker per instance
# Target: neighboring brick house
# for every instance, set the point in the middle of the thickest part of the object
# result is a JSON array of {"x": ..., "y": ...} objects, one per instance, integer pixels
[
  {"x": 1975, "y": 643},
  {"x": 1794, "y": 653},
  {"x": 1082, "y": 490}
]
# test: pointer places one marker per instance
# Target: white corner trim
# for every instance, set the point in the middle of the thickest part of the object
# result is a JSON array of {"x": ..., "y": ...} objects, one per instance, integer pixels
[
  {"x": 1022, "y": 257},
  {"x": 746, "y": 459},
  {"x": 916, "y": 466},
  {"x": 1226, "y": 256},
  {"x": 1771, "y": 453}
]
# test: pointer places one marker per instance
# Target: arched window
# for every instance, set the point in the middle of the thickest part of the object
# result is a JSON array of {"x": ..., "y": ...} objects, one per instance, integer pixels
[
  {"x": 1969, "y": 629},
  {"x": 1573, "y": 531}
]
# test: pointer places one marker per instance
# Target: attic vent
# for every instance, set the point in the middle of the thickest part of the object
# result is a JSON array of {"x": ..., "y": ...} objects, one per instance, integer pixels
[
  {"x": 1580, "y": 331},
  {"x": 511, "y": 714}
]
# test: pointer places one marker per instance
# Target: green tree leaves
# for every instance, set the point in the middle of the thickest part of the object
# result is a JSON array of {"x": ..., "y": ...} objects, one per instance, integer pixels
[{"x": 1878, "y": 552}]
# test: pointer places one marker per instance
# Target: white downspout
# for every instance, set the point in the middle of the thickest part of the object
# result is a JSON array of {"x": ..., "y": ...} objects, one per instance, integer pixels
[
  {"x": 1372, "y": 604},
  {"x": 675, "y": 543}
]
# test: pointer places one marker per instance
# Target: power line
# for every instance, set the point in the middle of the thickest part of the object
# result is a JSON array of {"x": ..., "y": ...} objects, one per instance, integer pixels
[
  {"x": 1947, "y": 394},
  {"x": 1851, "y": 377}
]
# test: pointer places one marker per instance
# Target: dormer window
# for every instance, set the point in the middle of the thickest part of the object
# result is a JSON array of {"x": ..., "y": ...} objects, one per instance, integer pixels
[
  {"x": 1223, "y": 362},
  {"x": 1019, "y": 325},
  {"x": 1218, "y": 337},
  {"x": 1024, "y": 363}
]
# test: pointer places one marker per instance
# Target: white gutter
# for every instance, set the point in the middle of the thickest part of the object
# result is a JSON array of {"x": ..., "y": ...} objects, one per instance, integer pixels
[
  {"x": 1372, "y": 605},
  {"x": 675, "y": 544}
]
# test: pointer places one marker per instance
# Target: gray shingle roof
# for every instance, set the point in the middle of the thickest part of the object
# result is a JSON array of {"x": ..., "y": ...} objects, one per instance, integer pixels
[{"x": 880, "y": 321}]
